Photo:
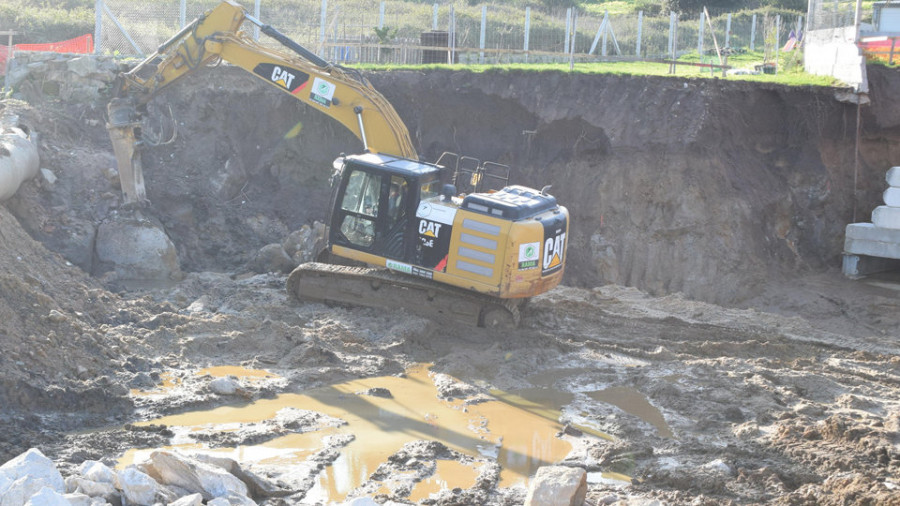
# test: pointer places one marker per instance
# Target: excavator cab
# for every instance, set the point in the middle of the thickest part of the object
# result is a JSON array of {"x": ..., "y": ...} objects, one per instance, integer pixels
[{"x": 374, "y": 205}]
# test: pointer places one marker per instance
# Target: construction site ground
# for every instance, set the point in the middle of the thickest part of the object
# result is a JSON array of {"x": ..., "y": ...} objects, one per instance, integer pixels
[{"x": 705, "y": 348}]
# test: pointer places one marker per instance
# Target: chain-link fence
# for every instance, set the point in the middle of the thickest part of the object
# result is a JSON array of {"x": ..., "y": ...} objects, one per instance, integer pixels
[{"x": 370, "y": 31}]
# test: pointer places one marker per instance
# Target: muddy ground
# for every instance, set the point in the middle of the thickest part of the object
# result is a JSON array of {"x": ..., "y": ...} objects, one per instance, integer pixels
[{"x": 703, "y": 277}]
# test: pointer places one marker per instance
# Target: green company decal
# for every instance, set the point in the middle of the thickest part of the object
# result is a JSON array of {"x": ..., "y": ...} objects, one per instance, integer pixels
[
  {"x": 529, "y": 255},
  {"x": 397, "y": 266}
]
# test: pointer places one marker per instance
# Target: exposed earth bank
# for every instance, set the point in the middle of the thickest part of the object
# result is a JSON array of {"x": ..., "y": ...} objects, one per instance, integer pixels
[{"x": 702, "y": 274}]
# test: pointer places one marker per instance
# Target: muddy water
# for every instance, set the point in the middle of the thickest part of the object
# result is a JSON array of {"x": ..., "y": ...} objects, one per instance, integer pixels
[
  {"x": 631, "y": 401},
  {"x": 519, "y": 430}
]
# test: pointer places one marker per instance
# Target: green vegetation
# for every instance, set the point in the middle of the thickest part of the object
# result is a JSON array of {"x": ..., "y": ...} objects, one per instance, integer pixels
[
  {"x": 38, "y": 21},
  {"x": 638, "y": 68}
]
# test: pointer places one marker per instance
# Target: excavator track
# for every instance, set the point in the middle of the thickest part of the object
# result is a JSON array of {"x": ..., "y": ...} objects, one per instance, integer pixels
[{"x": 382, "y": 288}]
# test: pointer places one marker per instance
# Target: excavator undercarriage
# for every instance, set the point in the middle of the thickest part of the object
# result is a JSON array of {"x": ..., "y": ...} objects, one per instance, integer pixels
[{"x": 381, "y": 288}]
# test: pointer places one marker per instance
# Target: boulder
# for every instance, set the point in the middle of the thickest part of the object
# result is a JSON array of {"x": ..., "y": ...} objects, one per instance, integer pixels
[
  {"x": 193, "y": 476},
  {"x": 48, "y": 497},
  {"x": 23, "y": 489},
  {"x": 76, "y": 499},
  {"x": 189, "y": 500},
  {"x": 271, "y": 258},
  {"x": 224, "y": 386},
  {"x": 75, "y": 484},
  {"x": 305, "y": 244},
  {"x": 137, "y": 487},
  {"x": 137, "y": 249},
  {"x": 32, "y": 464},
  {"x": 557, "y": 486}
]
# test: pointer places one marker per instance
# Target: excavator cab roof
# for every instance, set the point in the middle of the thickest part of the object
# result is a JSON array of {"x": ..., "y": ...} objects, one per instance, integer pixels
[{"x": 395, "y": 165}]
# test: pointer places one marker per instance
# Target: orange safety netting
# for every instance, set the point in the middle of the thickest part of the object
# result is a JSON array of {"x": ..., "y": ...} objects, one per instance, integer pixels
[
  {"x": 83, "y": 44},
  {"x": 882, "y": 49}
]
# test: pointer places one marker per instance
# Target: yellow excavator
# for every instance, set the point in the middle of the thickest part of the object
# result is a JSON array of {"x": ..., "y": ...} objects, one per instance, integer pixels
[{"x": 403, "y": 234}]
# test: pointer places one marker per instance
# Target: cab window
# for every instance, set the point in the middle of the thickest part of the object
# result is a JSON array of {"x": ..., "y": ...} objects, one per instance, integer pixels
[{"x": 361, "y": 203}]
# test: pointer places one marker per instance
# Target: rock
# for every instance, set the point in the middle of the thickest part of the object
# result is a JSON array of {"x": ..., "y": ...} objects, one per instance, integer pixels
[
  {"x": 76, "y": 241},
  {"x": 271, "y": 258},
  {"x": 35, "y": 465},
  {"x": 137, "y": 487},
  {"x": 224, "y": 386},
  {"x": 83, "y": 66},
  {"x": 719, "y": 466},
  {"x": 77, "y": 499},
  {"x": 137, "y": 248},
  {"x": 377, "y": 392},
  {"x": 193, "y": 476},
  {"x": 49, "y": 176},
  {"x": 305, "y": 244},
  {"x": 189, "y": 500},
  {"x": 74, "y": 484},
  {"x": 557, "y": 486},
  {"x": 258, "y": 487},
  {"x": 47, "y": 497}
]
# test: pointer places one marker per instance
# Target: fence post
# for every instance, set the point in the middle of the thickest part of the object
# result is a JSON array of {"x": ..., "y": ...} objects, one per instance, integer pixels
[
  {"x": 637, "y": 48},
  {"x": 728, "y": 31},
  {"x": 574, "y": 36},
  {"x": 799, "y": 26},
  {"x": 182, "y": 13},
  {"x": 671, "y": 31},
  {"x": 481, "y": 38},
  {"x": 568, "y": 29},
  {"x": 753, "y": 34},
  {"x": 605, "y": 25},
  {"x": 255, "y": 14},
  {"x": 381, "y": 15},
  {"x": 527, "y": 30},
  {"x": 98, "y": 26},
  {"x": 700, "y": 37},
  {"x": 323, "y": 21},
  {"x": 777, "y": 39},
  {"x": 434, "y": 17},
  {"x": 452, "y": 37}
]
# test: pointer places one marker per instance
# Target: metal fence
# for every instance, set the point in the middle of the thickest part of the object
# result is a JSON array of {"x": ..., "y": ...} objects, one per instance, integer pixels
[{"x": 374, "y": 31}]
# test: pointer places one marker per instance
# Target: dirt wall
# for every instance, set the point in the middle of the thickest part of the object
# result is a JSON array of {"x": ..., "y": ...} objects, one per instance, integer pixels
[
  {"x": 712, "y": 188},
  {"x": 707, "y": 187}
]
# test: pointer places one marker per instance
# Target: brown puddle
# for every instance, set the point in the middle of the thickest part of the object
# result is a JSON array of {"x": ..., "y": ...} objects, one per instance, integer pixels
[
  {"x": 518, "y": 430},
  {"x": 631, "y": 401},
  {"x": 168, "y": 382}
]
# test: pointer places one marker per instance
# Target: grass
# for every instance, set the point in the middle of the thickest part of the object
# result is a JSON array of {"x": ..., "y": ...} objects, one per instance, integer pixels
[{"x": 636, "y": 68}]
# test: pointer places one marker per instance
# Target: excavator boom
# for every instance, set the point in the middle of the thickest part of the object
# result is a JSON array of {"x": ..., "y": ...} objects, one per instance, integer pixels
[{"x": 344, "y": 94}]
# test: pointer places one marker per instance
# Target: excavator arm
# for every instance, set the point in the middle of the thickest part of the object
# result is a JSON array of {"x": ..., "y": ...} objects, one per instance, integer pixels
[{"x": 341, "y": 93}]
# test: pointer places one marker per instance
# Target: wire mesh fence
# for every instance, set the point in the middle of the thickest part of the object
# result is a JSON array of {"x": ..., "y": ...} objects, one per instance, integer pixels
[{"x": 375, "y": 31}]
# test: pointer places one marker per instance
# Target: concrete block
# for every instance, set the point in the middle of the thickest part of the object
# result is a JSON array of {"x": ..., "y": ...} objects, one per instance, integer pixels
[
  {"x": 892, "y": 196},
  {"x": 867, "y": 239},
  {"x": 858, "y": 266},
  {"x": 893, "y": 176},
  {"x": 886, "y": 217}
]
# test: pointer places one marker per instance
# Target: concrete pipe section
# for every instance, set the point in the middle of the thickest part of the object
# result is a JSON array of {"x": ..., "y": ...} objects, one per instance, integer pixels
[{"x": 19, "y": 159}]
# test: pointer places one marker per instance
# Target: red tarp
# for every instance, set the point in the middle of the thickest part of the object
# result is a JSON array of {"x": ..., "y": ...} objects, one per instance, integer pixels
[{"x": 83, "y": 45}]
